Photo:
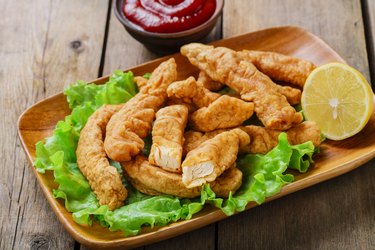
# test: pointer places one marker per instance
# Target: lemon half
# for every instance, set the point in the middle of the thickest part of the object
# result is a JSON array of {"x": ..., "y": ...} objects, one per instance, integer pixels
[{"x": 339, "y": 99}]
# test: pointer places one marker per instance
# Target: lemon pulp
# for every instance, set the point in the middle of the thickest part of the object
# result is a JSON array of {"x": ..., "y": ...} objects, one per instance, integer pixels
[{"x": 339, "y": 99}]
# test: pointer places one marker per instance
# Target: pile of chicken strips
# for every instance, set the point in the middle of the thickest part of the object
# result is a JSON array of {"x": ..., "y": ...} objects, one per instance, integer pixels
[{"x": 197, "y": 133}]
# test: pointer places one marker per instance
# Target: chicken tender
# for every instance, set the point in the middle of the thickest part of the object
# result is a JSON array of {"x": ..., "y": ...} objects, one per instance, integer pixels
[
  {"x": 127, "y": 128},
  {"x": 263, "y": 139},
  {"x": 195, "y": 138},
  {"x": 210, "y": 159},
  {"x": 191, "y": 92},
  {"x": 140, "y": 81},
  {"x": 153, "y": 180},
  {"x": 225, "y": 112},
  {"x": 176, "y": 101},
  {"x": 205, "y": 81},
  {"x": 293, "y": 95},
  {"x": 280, "y": 67},
  {"x": 168, "y": 136},
  {"x": 103, "y": 178},
  {"x": 226, "y": 66}
]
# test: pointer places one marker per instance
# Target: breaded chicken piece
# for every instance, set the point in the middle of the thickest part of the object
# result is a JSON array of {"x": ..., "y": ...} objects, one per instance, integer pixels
[
  {"x": 127, "y": 128},
  {"x": 192, "y": 138},
  {"x": 176, "y": 101},
  {"x": 280, "y": 67},
  {"x": 191, "y": 92},
  {"x": 293, "y": 95},
  {"x": 103, "y": 178},
  {"x": 229, "y": 181},
  {"x": 205, "y": 81},
  {"x": 210, "y": 159},
  {"x": 168, "y": 137},
  {"x": 152, "y": 180},
  {"x": 226, "y": 66},
  {"x": 262, "y": 139},
  {"x": 140, "y": 81},
  {"x": 225, "y": 112}
]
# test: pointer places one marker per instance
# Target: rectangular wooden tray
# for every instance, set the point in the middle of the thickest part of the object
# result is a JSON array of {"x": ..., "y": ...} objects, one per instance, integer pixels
[{"x": 336, "y": 158}]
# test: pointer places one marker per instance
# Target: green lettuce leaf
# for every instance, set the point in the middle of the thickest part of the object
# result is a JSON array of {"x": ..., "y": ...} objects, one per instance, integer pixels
[{"x": 264, "y": 175}]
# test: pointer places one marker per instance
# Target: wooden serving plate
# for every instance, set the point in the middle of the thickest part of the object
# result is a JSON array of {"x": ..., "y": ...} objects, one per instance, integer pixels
[{"x": 336, "y": 158}]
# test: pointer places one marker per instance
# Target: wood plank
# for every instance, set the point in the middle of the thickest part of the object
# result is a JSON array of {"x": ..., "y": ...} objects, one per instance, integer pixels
[
  {"x": 338, "y": 213},
  {"x": 201, "y": 239},
  {"x": 45, "y": 45},
  {"x": 339, "y": 23},
  {"x": 123, "y": 51}
]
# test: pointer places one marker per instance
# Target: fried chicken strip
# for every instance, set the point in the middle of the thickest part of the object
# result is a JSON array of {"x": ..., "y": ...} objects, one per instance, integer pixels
[
  {"x": 176, "y": 101},
  {"x": 168, "y": 136},
  {"x": 225, "y": 112},
  {"x": 262, "y": 139},
  {"x": 226, "y": 66},
  {"x": 280, "y": 67},
  {"x": 92, "y": 160},
  {"x": 152, "y": 180},
  {"x": 191, "y": 92},
  {"x": 140, "y": 81},
  {"x": 292, "y": 95},
  {"x": 210, "y": 159},
  {"x": 127, "y": 128},
  {"x": 208, "y": 83}
]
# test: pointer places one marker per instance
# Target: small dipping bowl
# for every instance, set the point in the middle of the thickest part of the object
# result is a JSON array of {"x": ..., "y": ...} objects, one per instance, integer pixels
[{"x": 166, "y": 43}]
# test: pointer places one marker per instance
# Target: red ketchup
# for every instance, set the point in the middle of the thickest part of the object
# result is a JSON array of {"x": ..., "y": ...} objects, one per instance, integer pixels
[{"x": 168, "y": 16}]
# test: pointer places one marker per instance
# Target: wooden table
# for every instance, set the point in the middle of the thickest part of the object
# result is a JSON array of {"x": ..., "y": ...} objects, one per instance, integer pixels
[{"x": 46, "y": 45}]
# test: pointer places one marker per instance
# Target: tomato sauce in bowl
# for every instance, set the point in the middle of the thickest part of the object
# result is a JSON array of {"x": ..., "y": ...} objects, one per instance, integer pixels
[
  {"x": 168, "y": 16},
  {"x": 165, "y": 25}
]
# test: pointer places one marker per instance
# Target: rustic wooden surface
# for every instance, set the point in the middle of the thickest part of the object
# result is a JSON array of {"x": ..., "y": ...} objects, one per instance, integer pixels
[{"x": 45, "y": 45}]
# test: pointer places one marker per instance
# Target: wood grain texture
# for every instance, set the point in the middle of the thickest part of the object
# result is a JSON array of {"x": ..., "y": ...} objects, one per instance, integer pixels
[
  {"x": 44, "y": 45},
  {"x": 339, "y": 214},
  {"x": 337, "y": 22}
]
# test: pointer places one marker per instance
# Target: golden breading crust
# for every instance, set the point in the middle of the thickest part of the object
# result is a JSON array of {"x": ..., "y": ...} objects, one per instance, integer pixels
[
  {"x": 262, "y": 139},
  {"x": 205, "y": 81},
  {"x": 195, "y": 138},
  {"x": 168, "y": 137},
  {"x": 292, "y": 95},
  {"x": 191, "y": 92},
  {"x": 210, "y": 159},
  {"x": 226, "y": 66},
  {"x": 104, "y": 179},
  {"x": 133, "y": 122},
  {"x": 152, "y": 180},
  {"x": 225, "y": 112},
  {"x": 280, "y": 67},
  {"x": 140, "y": 81}
]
